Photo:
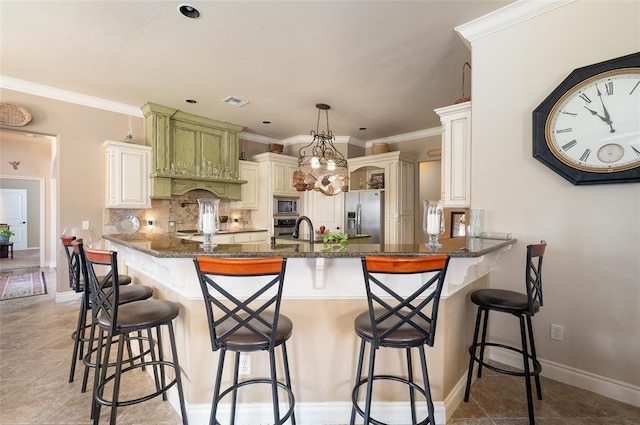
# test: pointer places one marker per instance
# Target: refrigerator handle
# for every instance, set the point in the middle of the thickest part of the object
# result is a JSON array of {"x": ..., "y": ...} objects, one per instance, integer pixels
[{"x": 358, "y": 217}]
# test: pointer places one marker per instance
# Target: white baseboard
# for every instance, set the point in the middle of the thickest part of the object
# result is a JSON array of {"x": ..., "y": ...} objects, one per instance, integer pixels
[
  {"x": 328, "y": 413},
  {"x": 604, "y": 386}
]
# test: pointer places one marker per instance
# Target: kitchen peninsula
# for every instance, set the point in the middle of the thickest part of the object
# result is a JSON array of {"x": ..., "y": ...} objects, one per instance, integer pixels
[{"x": 324, "y": 291}]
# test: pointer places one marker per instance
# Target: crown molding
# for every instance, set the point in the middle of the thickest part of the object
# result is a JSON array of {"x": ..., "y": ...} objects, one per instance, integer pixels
[
  {"x": 506, "y": 17},
  {"x": 257, "y": 138},
  {"x": 68, "y": 96},
  {"x": 407, "y": 137}
]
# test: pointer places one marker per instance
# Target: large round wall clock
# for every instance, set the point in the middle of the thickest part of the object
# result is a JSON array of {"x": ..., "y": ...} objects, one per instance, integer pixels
[{"x": 588, "y": 129}]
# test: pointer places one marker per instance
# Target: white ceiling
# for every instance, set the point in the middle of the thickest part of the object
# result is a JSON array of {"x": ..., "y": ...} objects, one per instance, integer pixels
[{"x": 383, "y": 65}]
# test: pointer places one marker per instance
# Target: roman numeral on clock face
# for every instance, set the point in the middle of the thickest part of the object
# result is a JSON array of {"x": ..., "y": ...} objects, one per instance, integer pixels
[
  {"x": 569, "y": 145},
  {"x": 584, "y": 97},
  {"x": 608, "y": 88},
  {"x": 564, "y": 130},
  {"x": 585, "y": 155}
]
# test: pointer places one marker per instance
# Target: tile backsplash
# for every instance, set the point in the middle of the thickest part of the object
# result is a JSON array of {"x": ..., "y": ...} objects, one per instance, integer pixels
[{"x": 182, "y": 211}]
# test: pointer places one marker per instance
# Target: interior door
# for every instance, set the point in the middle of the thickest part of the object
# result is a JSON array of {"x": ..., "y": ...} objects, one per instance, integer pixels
[{"x": 13, "y": 211}]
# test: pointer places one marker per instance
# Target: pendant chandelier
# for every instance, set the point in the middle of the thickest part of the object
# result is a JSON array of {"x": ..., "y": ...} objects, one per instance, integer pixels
[{"x": 321, "y": 166}]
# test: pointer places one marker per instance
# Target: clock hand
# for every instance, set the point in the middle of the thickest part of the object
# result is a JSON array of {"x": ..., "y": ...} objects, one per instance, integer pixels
[
  {"x": 604, "y": 109},
  {"x": 598, "y": 115}
]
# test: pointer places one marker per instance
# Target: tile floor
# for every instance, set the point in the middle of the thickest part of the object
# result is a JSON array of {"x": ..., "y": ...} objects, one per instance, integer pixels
[{"x": 35, "y": 348}]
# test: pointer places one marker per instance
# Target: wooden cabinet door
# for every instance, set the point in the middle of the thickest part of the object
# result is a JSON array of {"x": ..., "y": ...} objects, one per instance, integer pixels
[{"x": 127, "y": 180}]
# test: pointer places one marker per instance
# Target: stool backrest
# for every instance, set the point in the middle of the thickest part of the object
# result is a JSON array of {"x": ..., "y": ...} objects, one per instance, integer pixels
[
  {"x": 237, "y": 294},
  {"x": 75, "y": 263},
  {"x": 104, "y": 289},
  {"x": 533, "y": 276},
  {"x": 386, "y": 302}
]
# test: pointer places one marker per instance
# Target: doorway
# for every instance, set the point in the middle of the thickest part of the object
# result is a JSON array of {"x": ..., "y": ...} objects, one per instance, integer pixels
[{"x": 32, "y": 173}]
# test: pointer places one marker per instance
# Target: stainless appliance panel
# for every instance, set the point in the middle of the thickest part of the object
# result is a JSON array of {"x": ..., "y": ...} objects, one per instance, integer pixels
[
  {"x": 284, "y": 226},
  {"x": 283, "y": 206},
  {"x": 365, "y": 214}
]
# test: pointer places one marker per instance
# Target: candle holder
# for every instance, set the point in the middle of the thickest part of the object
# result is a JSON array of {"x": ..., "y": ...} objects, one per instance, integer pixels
[
  {"x": 433, "y": 223},
  {"x": 208, "y": 221}
]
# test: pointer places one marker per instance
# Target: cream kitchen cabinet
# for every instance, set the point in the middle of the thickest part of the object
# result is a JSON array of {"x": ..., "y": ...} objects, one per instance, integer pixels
[
  {"x": 127, "y": 179},
  {"x": 275, "y": 178},
  {"x": 327, "y": 211},
  {"x": 399, "y": 203},
  {"x": 456, "y": 154},
  {"x": 248, "y": 171}
]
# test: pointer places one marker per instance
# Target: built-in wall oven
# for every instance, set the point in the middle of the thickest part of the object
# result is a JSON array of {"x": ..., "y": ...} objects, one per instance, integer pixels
[{"x": 284, "y": 226}]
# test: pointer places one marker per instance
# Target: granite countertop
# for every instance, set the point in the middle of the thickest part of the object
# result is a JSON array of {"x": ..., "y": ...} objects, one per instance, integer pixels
[
  {"x": 170, "y": 246},
  {"x": 319, "y": 238},
  {"x": 221, "y": 232}
]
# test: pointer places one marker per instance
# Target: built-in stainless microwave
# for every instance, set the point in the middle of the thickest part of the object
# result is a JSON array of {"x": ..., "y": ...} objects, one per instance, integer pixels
[{"x": 285, "y": 206}]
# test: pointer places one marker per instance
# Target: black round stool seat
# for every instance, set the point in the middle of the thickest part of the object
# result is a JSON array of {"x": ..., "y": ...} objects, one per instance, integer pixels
[
  {"x": 405, "y": 336},
  {"x": 142, "y": 315},
  {"x": 123, "y": 279},
  {"x": 245, "y": 340},
  {"x": 503, "y": 300},
  {"x": 132, "y": 293}
]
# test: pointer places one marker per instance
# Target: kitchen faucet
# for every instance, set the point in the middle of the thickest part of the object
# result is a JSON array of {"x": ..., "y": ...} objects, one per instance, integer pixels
[{"x": 297, "y": 228}]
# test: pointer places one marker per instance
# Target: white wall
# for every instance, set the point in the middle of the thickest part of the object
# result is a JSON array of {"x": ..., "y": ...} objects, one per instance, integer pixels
[{"x": 592, "y": 264}]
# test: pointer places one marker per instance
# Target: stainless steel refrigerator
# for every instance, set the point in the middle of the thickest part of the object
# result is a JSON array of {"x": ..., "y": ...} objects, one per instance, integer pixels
[{"x": 365, "y": 214}]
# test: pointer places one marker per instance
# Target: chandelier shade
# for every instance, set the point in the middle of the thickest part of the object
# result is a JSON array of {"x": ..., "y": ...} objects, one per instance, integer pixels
[{"x": 321, "y": 166}]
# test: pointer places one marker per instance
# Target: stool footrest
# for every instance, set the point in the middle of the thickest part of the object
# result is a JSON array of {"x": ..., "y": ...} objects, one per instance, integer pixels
[
  {"x": 537, "y": 367},
  {"x": 264, "y": 381},
  {"x": 354, "y": 395},
  {"x": 120, "y": 403}
]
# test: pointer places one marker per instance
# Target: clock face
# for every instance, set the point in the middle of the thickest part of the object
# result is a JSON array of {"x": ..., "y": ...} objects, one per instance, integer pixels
[
  {"x": 595, "y": 126},
  {"x": 588, "y": 129}
]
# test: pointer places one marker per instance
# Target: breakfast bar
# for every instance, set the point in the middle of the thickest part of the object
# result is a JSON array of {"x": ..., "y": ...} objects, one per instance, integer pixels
[{"x": 323, "y": 292}]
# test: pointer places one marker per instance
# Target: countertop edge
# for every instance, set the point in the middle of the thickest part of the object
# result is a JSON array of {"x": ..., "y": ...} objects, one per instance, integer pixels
[{"x": 192, "y": 249}]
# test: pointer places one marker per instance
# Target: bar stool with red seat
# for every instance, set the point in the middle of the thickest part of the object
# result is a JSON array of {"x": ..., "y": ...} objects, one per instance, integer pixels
[
  {"x": 521, "y": 305},
  {"x": 242, "y": 299},
  {"x": 115, "y": 322},
  {"x": 403, "y": 294}
]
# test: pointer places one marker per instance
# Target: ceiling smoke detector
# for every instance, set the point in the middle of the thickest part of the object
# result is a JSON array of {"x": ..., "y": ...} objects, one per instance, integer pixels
[{"x": 235, "y": 101}]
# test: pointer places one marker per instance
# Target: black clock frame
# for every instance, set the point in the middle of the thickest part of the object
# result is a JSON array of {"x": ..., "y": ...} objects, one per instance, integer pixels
[{"x": 541, "y": 150}]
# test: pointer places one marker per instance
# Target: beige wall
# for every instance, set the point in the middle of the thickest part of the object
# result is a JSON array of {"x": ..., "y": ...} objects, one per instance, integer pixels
[
  {"x": 80, "y": 132},
  {"x": 592, "y": 264}
]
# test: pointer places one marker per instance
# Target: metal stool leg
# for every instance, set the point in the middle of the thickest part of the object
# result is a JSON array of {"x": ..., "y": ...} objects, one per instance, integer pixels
[
  {"x": 355, "y": 385},
  {"x": 216, "y": 389},
  {"x": 527, "y": 374},
  {"x": 412, "y": 398},
  {"x": 484, "y": 341},
  {"x": 472, "y": 353},
  {"x": 535, "y": 357},
  {"x": 427, "y": 387},
  {"x": 174, "y": 354},
  {"x": 287, "y": 376},
  {"x": 372, "y": 359}
]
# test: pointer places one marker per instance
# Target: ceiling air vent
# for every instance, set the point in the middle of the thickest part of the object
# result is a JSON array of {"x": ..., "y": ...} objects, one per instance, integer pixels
[{"x": 235, "y": 101}]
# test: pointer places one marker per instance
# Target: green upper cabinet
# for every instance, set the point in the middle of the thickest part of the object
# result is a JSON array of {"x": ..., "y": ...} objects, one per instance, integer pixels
[{"x": 191, "y": 152}]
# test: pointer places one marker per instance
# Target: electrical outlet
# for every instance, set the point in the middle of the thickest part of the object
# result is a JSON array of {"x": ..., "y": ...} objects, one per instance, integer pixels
[
  {"x": 85, "y": 225},
  {"x": 557, "y": 332},
  {"x": 245, "y": 365}
]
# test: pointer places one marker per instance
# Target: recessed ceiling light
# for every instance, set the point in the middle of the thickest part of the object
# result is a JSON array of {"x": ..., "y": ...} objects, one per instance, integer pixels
[
  {"x": 190, "y": 100},
  {"x": 266, "y": 122},
  {"x": 235, "y": 101},
  {"x": 189, "y": 11}
]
